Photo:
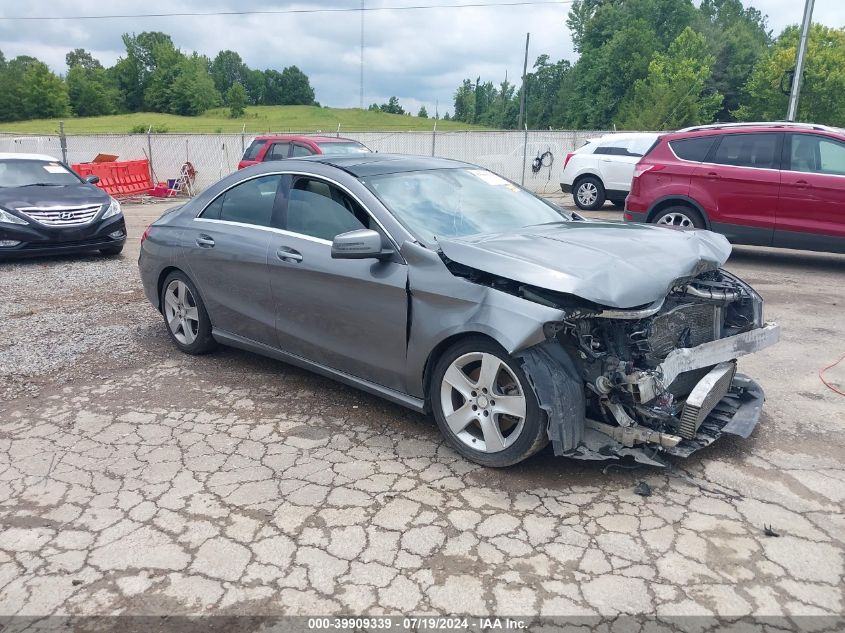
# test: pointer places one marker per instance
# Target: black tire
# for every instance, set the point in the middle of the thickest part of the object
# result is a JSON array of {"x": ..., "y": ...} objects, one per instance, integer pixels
[
  {"x": 588, "y": 193},
  {"x": 530, "y": 439},
  {"x": 680, "y": 216},
  {"x": 618, "y": 204},
  {"x": 111, "y": 251},
  {"x": 202, "y": 342}
]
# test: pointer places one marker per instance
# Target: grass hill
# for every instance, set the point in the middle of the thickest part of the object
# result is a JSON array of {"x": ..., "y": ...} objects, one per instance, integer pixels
[{"x": 258, "y": 119}]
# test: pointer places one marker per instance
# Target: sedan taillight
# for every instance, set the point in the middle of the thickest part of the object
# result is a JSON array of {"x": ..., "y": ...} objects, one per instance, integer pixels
[{"x": 146, "y": 233}]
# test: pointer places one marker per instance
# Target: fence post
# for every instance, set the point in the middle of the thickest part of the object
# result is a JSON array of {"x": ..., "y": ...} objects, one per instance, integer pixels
[
  {"x": 434, "y": 137},
  {"x": 243, "y": 141},
  {"x": 150, "y": 155},
  {"x": 63, "y": 141},
  {"x": 524, "y": 154}
]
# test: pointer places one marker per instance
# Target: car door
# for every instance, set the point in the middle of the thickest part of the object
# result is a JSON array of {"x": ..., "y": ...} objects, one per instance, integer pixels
[
  {"x": 812, "y": 197},
  {"x": 349, "y": 315},
  {"x": 226, "y": 250},
  {"x": 277, "y": 151},
  {"x": 741, "y": 183}
]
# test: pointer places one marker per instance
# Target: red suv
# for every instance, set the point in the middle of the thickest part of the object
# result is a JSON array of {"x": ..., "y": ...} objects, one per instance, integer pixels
[
  {"x": 279, "y": 146},
  {"x": 767, "y": 184}
]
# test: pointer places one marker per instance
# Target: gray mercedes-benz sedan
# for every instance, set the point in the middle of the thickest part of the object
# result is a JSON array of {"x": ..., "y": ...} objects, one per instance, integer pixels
[{"x": 443, "y": 287}]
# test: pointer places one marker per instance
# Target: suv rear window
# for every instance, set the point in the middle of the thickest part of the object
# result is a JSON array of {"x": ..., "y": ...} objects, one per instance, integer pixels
[
  {"x": 253, "y": 149},
  {"x": 694, "y": 149}
]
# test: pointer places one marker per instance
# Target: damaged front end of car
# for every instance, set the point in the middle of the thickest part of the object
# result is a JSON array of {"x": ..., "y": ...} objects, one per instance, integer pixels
[{"x": 659, "y": 379}]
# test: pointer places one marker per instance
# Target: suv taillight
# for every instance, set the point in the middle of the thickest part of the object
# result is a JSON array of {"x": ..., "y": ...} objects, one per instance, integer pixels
[
  {"x": 640, "y": 169},
  {"x": 569, "y": 155}
]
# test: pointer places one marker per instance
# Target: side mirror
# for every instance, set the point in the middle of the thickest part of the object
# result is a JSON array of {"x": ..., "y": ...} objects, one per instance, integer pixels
[
  {"x": 92, "y": 180},
  {"x": 360, "y": 244}
]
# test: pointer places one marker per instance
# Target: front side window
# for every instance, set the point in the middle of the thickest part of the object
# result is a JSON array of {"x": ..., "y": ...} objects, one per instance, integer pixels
[
  {"x": 277, "y": 151},
  {"x": 443, "y": 203},
  {"x": 748, "y": 150},
  {"x": 35, "y": 173},
  {"x": 250, "y": 202},
  {"x": 817, "y": 155},
  {"x": 253, "y": 149},
  {"x": 301, "y": 150},
  {"x": 318, "y": 209}
]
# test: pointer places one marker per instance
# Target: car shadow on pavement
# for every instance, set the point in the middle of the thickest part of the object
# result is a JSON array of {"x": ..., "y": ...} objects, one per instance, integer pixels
[{"x": 786, "y": 259}]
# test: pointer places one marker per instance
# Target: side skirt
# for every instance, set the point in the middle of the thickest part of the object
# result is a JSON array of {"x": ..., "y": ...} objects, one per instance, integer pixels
[{"x": 233, "y": 340}]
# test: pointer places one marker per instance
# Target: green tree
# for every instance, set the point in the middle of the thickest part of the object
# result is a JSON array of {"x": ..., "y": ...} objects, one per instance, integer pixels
[
  {"x": 81, "y": 57},
  {"x": 166, "y": 65},
  {"x": 675, "y": 92},
  {"x": 823, "y": 83},
  {"x": 423, "y": 113},
  {"x": 227, "y": 69},
  {"x": 296, "y": 88},
  {"x": 43, "y": 94},
  {"x": 91, "y": 92},
  {"x": 192, "y": 91},
  {"x": 465, "y": 102},
  {"x": 392, "y": 106},
  {"x": 144, "y": 53},
  {"x": 236, "y": 100},
  {"x": 737, "y": 37}
]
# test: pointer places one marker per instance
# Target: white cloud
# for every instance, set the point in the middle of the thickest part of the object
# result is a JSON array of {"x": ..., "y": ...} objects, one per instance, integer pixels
[{"x": 419, "y": 56}]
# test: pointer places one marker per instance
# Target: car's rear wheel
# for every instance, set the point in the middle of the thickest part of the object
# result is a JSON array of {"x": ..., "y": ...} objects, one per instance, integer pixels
[
  {"x": 589, "y": 193},
  {"x": 185, "y": 315},
  {"x": 680, "y": 216},
  {"x": 485, "y": 406}
]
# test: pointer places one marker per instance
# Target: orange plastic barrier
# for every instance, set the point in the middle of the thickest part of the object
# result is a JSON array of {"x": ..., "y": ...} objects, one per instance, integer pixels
[{"x": 119, "y": 179}]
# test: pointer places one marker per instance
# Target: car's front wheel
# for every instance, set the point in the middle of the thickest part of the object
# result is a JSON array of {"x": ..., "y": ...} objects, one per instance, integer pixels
[
  {"x": 185, "y": 316},
  {"x": 485, "y": 406},
  {"x": 589, "y": 193}
]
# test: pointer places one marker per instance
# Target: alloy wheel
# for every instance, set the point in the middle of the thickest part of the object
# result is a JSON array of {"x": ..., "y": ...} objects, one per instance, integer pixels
[
  {"x": 587, "y": 193},
  {"x": 181, "y": 312},
  {"x": 482, "y": 402},
  {"x": 675, "y": 218}
]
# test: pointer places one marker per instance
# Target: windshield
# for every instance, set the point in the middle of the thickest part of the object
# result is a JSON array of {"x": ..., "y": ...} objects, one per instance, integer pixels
[
  {"x": 457, "y": 202},
  {"x": 21, "y": 173},
  {"x": 343, "y": 148}
]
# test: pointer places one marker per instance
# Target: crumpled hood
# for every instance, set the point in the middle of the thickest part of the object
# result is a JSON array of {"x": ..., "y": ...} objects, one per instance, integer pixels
[
  {"x": 70, "y": 195},
  {"x": 613, "y": 264}
]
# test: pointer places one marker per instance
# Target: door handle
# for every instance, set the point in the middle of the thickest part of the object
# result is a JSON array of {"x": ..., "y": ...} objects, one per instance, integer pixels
[
  {"x": 713, "y": 174},
  {"x": 287, "y": 254},
  {"x": 802, "y": 184},
  {"x": 205, "y": 241}
]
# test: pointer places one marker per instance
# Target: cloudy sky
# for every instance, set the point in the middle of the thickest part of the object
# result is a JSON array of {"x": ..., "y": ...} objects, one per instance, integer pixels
[{"x": 418, "y": 55}]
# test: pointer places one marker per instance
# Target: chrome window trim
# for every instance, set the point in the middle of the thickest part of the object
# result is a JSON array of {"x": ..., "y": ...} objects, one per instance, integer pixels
[
  {"x": 271, "y": 229},
  {"x": 292, "y": 233}
]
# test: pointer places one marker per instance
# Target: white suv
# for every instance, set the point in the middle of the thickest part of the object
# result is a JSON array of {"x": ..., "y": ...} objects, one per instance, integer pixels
[{"x": 603, "y": 168}]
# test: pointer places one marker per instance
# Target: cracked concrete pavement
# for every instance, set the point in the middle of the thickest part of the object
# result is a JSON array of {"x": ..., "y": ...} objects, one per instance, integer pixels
[{"x": 137, "y": 480}]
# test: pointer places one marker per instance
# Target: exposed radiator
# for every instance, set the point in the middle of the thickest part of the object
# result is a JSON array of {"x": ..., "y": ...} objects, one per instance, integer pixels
[{"x": 686, "y": 325}]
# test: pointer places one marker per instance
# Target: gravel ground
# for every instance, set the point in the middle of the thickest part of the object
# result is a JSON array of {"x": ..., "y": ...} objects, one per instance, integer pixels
[{"x": 134, "y": 479}]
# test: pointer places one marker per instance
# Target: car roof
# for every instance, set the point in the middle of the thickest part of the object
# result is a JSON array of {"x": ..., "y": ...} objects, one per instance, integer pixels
[
  {"x": 304, "y": 137},
  {"x": 363, "y": 165},
  {"x": 14, "y": 156},
  {"x": 740, "y": 128}
]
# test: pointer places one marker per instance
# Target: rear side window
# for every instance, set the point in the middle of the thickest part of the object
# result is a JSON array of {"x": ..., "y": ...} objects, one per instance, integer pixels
[
  {"x": 694, "y": 149},
  {"x": 253, "y": 149},
  {"x": 301, "y": 150},
  {"x": 277, "y": 151},
  {"x": 250, "y": 202},
  {"x": 748, "y": 150}
]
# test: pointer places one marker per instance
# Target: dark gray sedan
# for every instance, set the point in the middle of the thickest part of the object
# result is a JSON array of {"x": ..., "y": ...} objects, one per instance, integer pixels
[{"x": 445, "y": 288}]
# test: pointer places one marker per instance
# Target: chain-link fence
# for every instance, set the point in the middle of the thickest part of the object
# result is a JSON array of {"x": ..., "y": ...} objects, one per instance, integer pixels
[{"x": 534, "y": 158}]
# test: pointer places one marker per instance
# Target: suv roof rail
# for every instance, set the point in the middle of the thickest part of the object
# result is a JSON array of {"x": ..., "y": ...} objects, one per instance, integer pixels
[{"x": 719, "y": 126}]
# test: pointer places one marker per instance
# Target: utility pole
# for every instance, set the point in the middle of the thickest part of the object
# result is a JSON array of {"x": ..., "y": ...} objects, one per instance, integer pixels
[
  {"x": 524, "y": 72},
  {"x": 799, "y": 62},
  {"x": 362, "y": 54}
]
